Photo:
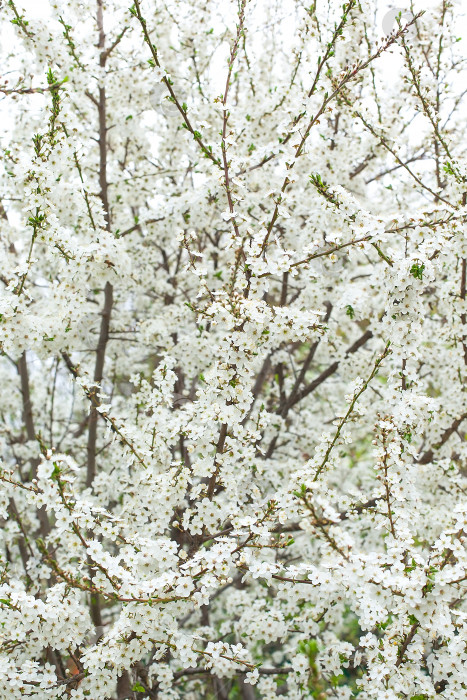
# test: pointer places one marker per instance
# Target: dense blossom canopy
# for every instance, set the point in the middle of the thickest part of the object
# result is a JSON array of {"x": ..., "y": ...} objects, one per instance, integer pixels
[{"x": 233, "y": 351}]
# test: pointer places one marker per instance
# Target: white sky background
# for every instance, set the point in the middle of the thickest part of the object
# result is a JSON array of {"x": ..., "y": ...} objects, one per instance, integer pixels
[
  {"x": 37, "y": 9},
  {"x": 41, "y": 9},
  {"x": 388, "y": 62},
  {"x": 386, "y": 10}
]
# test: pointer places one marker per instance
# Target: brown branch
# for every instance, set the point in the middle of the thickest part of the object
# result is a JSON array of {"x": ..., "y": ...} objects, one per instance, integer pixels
[
  {"x": 108, "y": 51},
  {"x": 139, "y": 225},
  {"x": 207, "y": 150},
  {"x": 347, "y": 77},
  {"x": 219, "y": 450},
  {"x": 91, "y": 395},
  {"x": 44, "y": 525},
  {"x": 405, "y": 644},
  {"x": 297, "y": 395},
  {"x": 329, "y": 371},
  {"x": 428, "y": 456},
  {"x": 383, "y": 142},
  {"x": 108, "y": 291}
]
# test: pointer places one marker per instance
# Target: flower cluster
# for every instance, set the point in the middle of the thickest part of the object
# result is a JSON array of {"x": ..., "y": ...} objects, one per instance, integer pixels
[{"x": 233, "y": 312}]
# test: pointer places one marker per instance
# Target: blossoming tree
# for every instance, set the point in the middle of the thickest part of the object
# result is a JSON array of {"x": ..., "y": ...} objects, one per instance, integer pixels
[{"x": 233, "y": 351}]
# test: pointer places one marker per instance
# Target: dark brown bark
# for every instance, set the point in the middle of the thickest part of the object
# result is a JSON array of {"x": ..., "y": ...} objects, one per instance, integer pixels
[
  {"x": 44, "y": 525},
  {"x": 108, "y": 291}
]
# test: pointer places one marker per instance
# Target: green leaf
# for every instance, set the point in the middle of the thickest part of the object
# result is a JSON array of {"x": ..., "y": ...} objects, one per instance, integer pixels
[
  {"x": 417, "y": 271},
  {"x": 138, "y": 688},
  {"x": 448, "y": 169}
]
